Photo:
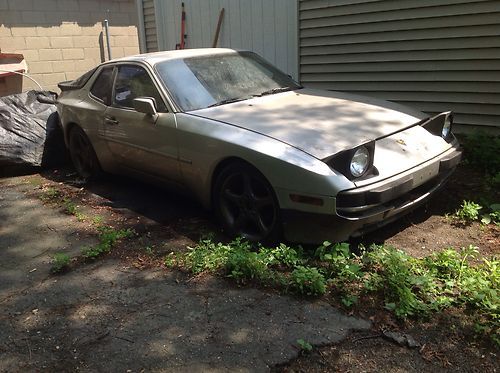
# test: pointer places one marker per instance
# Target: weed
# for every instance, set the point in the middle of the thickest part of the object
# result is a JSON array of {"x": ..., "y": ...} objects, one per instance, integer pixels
[
  {"x": 50, "y": 195},
  {"x": 468, "y": 212},
  {"x": 107, "y": 238},
  {"x": 97, "y": 220},
  {"x": 409, "y": 286},
  {"x": 481, "y": 151},
  {"x": 60, "y": 261},
  {"x": 304, "y": 346}
]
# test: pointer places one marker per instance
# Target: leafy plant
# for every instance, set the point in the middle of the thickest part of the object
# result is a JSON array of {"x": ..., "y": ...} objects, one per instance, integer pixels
[
  {"x": 308, "y": 280},
  {"x": 409, "y": 287},
  {"x": 107, "y": 238},
  {"x": 50, "y": 194},
  {"x": 481, "y": 151},
  {"x": 468, "y": 212},
  {"x": 304, "y": 346},
  {"x": 493, "y": 216},
  {"x": 60, "y": 261}
]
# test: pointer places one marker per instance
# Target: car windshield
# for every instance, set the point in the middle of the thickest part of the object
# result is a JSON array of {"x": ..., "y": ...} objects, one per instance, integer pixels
[{"x": 201, "y": 82}]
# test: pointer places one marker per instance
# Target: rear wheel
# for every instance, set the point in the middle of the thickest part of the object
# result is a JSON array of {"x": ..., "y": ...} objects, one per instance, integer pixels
[
  {"x": 246, "y": 205},
  {"x": 83, "y": 155}
]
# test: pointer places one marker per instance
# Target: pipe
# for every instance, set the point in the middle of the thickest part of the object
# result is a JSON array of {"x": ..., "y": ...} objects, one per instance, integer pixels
[
  {"x": 106, "y": 28},
  {"x": 25, "y": 75}
]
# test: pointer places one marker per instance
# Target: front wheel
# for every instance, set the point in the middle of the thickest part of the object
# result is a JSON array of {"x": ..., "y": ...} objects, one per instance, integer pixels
[
  {"x": 246, "y": 205},
  {"x": 82, "y": 154}
]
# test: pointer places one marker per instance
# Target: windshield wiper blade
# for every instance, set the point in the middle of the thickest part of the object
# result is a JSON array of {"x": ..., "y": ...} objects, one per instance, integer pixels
[
  {"x": 275, "y": 90},
  {"x": 228, "y": 101}
]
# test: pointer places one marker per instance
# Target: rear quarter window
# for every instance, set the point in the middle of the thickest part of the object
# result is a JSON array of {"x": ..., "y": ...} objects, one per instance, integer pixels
[{"x": 101, "y": 89}]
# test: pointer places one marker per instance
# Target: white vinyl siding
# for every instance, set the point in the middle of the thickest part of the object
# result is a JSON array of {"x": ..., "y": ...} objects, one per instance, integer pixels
[
  {"x": 433, "y": 55},
  {"x": 147, "y": 25},
  {"x": 267, "y": 27}
]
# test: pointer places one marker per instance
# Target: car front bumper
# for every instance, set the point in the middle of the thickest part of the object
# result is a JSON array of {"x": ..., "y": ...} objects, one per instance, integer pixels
[{"x": 361, "y": 210}]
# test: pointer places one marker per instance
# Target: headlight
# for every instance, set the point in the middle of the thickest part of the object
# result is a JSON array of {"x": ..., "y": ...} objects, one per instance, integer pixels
[
  {"x": 360, "y": 162},
  {"x": 446, "y": 127}
]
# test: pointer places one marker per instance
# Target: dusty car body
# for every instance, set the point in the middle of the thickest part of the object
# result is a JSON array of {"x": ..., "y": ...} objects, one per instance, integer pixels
[{"x": 312, "y": 165}]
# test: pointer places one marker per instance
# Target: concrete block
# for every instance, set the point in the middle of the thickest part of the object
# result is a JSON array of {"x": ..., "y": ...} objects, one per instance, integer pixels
[
  {"x": 94, "y": 29},
  {"x": 30, "y": 55},
  {"x": 4, "y": 5},
  {"x": 63, "y": 66},
  {"x": 20, "y": 4},
  {"x": 61, "y": 42},
  {"x": 70, "y": 29},
  {"x": 68, "y": 5},
  {"x": 84, "y": 65},
  {"x": 47, "y": 31},
  {"x": 117, "y": 52},
  {"x": 5, "y": 31},
  {"x": 37, "y": 42},
  {"x": 73, "y": 54},
  {"x": 33, "y": 18},
  {"x": 45, "y": 5},
  {"x": 39, "y": 67},
  {"x": 93, "y": 53},
  {"x": 86, "y": 41},
  {"x": 11, "y": 43},
  {"x": 55, "y": 18},
  {"x": 51, "y": 79},
  {"x": 23, "y": 31},
  {"x": 50, "y": 54},
  {"x": 89, "y": 5},
  {"x": 124, "y": 41},
  {"x": 130, "y": 51}
]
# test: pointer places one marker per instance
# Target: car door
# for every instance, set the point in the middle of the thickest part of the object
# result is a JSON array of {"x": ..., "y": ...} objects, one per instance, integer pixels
[{"x": 139, "y": 141}]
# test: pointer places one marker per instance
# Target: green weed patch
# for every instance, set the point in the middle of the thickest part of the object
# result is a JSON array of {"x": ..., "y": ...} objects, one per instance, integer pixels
[{"x": 408, "y": 286}]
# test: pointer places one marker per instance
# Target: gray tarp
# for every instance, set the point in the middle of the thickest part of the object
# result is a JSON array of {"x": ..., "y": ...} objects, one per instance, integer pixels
[{"x": 29, "y": 130}]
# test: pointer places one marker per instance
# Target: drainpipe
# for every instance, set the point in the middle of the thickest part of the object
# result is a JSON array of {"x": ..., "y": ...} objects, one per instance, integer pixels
[{"x": 106, "y": 28}]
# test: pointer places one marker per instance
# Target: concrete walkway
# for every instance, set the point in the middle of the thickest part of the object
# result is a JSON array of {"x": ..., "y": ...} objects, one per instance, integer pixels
[{"x": 106, "y": 316}]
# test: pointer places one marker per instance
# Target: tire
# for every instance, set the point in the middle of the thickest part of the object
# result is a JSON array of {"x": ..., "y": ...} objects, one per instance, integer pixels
[
  {"x": 245, "y": 204},
  {"x": 83, "y": 154}
]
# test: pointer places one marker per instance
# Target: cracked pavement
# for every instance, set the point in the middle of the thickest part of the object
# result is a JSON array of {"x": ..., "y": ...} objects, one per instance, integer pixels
[{"x": 109, "y": 316}]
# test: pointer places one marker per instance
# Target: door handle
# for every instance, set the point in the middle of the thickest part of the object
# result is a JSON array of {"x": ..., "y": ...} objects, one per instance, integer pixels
[{"x": 111, "y": 120}]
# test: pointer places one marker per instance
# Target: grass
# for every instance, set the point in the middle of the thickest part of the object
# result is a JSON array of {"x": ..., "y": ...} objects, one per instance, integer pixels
[
  {"x": 406, "y": 286},
  {"x": 60, "y": 262},
  {"x": 107, "y": 239}
]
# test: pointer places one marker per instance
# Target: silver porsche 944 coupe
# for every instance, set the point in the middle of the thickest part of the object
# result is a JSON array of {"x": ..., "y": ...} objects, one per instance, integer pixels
[{"x": 270, "y": 157}]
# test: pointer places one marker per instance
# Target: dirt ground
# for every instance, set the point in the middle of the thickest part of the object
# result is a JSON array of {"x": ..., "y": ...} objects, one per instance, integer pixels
[{"x": 126, "y": 312}]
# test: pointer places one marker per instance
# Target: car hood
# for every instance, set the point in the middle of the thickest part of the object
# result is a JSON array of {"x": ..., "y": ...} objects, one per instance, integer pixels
[{"x": 320, "y": 123}]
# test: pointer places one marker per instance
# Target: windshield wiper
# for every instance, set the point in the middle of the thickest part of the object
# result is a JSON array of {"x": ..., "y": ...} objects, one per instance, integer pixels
[
  {"x": 276, "y": 90},
  {"x": 228, "y": 101}
]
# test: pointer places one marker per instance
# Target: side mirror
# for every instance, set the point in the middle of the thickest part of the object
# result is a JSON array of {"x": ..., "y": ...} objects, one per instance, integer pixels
[{"x": 146, "y": 105}]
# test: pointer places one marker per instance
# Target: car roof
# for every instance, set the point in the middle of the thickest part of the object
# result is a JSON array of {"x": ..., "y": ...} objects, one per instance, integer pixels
[{"x": 156, "y": 57}]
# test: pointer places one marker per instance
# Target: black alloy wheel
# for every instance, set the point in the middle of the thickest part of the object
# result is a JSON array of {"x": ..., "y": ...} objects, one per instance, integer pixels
[
  {"x": 82, "y": 154},
  {"x": 246, "y": 205}
]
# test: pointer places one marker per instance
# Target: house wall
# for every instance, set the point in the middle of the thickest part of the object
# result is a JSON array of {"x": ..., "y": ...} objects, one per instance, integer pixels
[
  {"x": 433, "y": 55},
  {"x": 267, "y": 27},
  {"x": 61, "y": 39}
]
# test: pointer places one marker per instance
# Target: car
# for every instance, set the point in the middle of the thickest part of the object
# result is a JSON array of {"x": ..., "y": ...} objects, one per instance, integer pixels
[{"x": 272, "y": 159}]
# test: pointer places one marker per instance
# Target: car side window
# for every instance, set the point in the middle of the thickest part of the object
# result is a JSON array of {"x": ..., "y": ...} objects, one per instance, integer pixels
[
  {"x": 101, "y": 89},
  {"x": 132, "y": 82}
]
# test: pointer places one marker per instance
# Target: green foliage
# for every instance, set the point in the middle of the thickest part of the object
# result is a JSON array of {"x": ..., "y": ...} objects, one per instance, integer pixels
[
  {"x": 304, "y": 345},
  {"x": 107, "y": 238},
  {"x": 60, "y": 261},
  {"x": 308, "y": 280},
  {"x": 482, "y": 151},
  {"x": 50, "y": 195},
  {"x": 468, "y": 212},
  {"x": 493, "y": 216},
  {"x": 408, "y": 286}
]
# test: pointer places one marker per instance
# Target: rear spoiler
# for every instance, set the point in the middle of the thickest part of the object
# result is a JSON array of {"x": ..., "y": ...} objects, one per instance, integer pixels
[{"x": 68, "y": 85}]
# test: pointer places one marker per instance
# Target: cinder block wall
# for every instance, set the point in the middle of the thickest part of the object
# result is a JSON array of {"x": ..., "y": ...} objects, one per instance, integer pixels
[{"x": 62, "y": 39}]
